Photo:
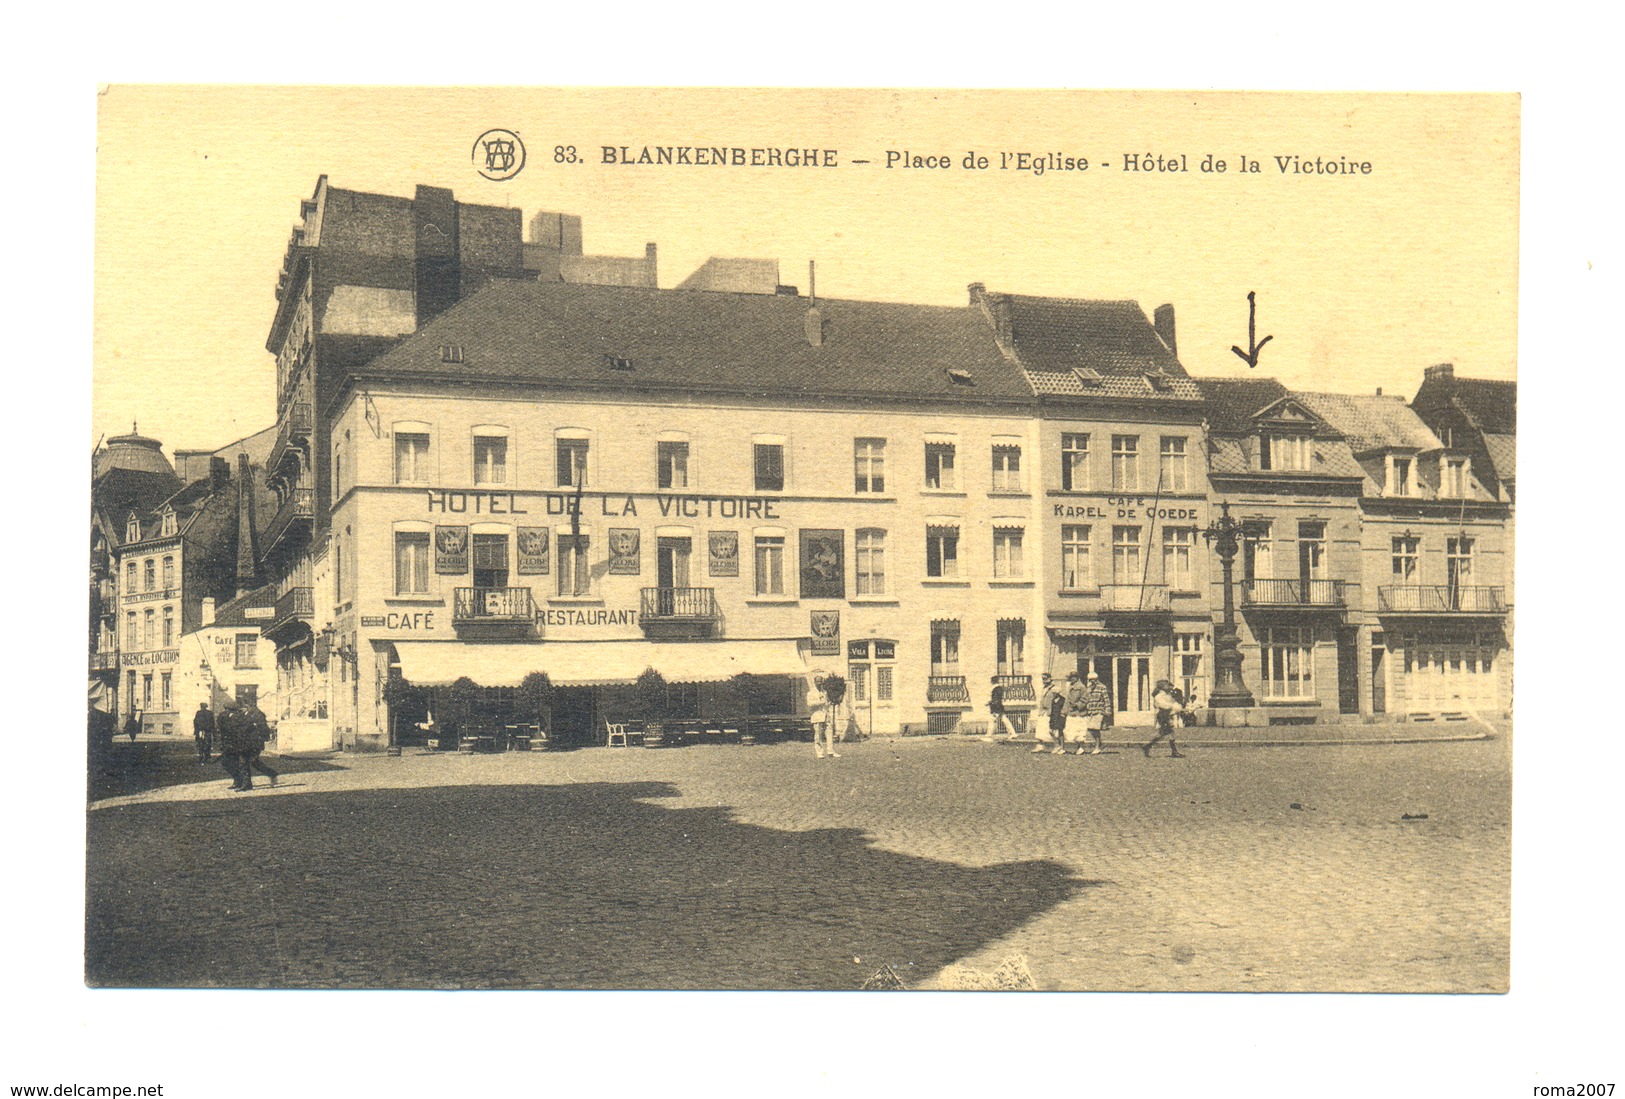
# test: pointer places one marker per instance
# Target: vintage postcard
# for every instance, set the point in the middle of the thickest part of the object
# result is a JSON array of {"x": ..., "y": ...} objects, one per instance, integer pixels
[{"x": 745, "y": 539}]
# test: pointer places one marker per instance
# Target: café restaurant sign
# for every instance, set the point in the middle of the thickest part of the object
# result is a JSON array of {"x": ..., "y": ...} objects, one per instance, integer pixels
[{"x": 445, "y": 501}]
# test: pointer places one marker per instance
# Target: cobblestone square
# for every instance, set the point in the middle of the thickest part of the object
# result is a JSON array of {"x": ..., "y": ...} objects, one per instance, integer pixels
[{"x": 1380, "y": 868}]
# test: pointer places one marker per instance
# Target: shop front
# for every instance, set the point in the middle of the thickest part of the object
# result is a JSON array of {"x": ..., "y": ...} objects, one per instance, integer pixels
[{"x": 1130, "y": 661}]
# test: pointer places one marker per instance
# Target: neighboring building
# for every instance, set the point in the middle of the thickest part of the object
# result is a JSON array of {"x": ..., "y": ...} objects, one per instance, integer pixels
[
  {"x": 1290, "y": 478},
  {"x": 1120, "y": 477},
  {"x": 1436, "y": 547},
  {"x": 1476, "y": 418},
  {"x": 227, "y": 660}
]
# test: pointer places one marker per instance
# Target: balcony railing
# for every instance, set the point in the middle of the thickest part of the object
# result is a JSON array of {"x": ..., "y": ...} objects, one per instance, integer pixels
[
  {"x": 680, "y": 604},
  {"x": 299, "y": 508},
  {"x": 946, "y": 688},
  {"x": 1441, "y": 599},
  {"x": 492, "y": 605},
  {"x": 1017, "y": 688},
  {"x": 1134, "y": 598},
  {"x": 293, "y": 605},
  {"x": 294, "y": 430},
  {"x": 1292, "y": 593}
]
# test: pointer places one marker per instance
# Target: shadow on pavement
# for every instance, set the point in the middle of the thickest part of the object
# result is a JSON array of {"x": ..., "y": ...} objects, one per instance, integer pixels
[
  {"x": 579, "y": 886},
  {"x": 123, "y": 768}
]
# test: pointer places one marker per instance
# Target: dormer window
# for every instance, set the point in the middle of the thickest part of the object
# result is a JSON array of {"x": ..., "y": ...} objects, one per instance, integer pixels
[
  {"x": 1159, "y": 381},
  {"x": 1088, "y": 375},
  {"x": 960, "y": 376},
  {"x": 451, "y": 352},
  {"x": 1401, "y": 476},
  {"x": 168, "y": 523},
  {"x": 1453, "y": 479},
  {"x": 132, "y": 529},
  {"x": 1284, "y": 452},
  {"x": 617, "y": 362}
]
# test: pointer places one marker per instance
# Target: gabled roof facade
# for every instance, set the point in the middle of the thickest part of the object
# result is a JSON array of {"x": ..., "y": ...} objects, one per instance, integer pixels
[{"x": 1070, "y": 347}]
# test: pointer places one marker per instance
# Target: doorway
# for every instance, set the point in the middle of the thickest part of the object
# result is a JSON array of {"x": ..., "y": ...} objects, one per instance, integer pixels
[
  {"x": 575, "y": 715},
  {"x": 1124, "y": 665},
  {"x": 1348, "y": 671}
]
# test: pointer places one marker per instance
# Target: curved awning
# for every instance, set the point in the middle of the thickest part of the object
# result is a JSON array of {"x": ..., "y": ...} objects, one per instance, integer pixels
[{"x": 590, "y": 663}]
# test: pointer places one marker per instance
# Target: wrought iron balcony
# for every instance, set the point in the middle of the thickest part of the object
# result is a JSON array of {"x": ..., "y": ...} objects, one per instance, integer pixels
[
  {"x": 493, "y": 612},
  {"x": 292, "y": 518},
  {"x": 1441, "y": 599},
  {"x": 293, "y": 605},
  {"x": 1134, "y": 598},
  {"x": 293, "y": 432},
  {"x": 679, "y": 612},
  {"x": 1017, "y": 688},
  {"x": 946, "y": 688},
  {"x": 1292, "y": 593}
]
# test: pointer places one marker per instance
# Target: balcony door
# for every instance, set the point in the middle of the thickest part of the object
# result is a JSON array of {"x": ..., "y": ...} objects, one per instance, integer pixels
[
  {"x": 671, "y": 571},
  {"x": 490, "y": 560}
]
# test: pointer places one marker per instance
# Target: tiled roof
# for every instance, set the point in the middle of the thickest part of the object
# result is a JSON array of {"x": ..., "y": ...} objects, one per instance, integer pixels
[
  {"x": 738, "y": 343},
  {"x": 1371, "y": 422},
  {"x": 1503, "y": 455},
  {"x": 1491, "y": 405},
  {"x": 1054, "y": 337},
  {"x": 1232, "y": 402},
  {"x": 231, "y": 612},
  {"x": 1330, "y": 457}
]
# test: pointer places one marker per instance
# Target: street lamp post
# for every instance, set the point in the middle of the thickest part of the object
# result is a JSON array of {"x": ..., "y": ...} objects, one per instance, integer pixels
[{"x": 1229, "y": 690}]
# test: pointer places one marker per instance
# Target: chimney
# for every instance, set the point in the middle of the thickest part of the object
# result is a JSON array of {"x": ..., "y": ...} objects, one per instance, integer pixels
[
  {"x": 219, "y": 473},
  {"x": 1441, "y": 372},
  {"x": 978, "y": 291},
  {"x": 1379, "y": 391},
  {"x": 1163, "y": 319},
  {"x": 247, "y": 550},
  {"x": 649, "y": 267},
  {"x": 996, "y": 308},
  {"x": 208, "y": 611}
]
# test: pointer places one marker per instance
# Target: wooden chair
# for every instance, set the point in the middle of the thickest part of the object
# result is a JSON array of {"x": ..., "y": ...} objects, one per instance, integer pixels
[{"x": 613, "y": 733}]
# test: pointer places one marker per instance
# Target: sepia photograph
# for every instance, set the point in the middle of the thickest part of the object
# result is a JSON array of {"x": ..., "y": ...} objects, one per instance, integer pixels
[{"x": 802, "y": 539}]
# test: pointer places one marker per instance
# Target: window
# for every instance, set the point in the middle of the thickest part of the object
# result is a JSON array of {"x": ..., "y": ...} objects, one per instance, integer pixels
[
  {"x": 869, "y": 465},
  {"x": 1288, "y": 658},
  {"x": 1006, "y": 468},
  {"x": 132, "y": 636},
  {"x": 1074, "y": 463},
  {"x": 1288, "y": 452},
  {"x": 164, "y": 693},
  {"x": 129, "y": 692},
  {"x": 150, "y": 573},
  {"x": 1255, "y": 550},
  {"x": 1177, "y": 544},
  {"x": 769, "y": 564},
  {"x": 1311, "y": 551},
  {"x": 769, "y": 461},
  {"x": 1126, "y": 556},
  {"x": 411, "y": 457},
  {"x": 146, "y": 691},
  {"x": 1405, "y": 553},
  {"x": 411, "y": 562},
  {"x": 671, "y": 464},
  {"x": 1010, "y": 642},
  {"x": 1399, "y": 476},
  {"x": 871, "y": 562},
  {"x": 248, "y": 650},
  {"x": 883, "y": 683},
  {"x": 1189, "y": 667},
  {"x": 1174, "y": 476},
  {"x": 939, "y": 466},
  {"x": 150, "y": 629},
  {"x": 1455, "y": 478},
  {"x": 1125, "y": 463},
  {"x": 169, "y": 573},
  {"x": 167, "y": 527},
  {"x": 132, "y": 529},
  {"x": 575, "y": 573},
  {"x": 1007, "y": 555},
  {"x": 169, "y": 627},
  {"x": 490, "y": 459},
  {"x": 942, "y": 552},
  {"x": 1077, "y": 565},
  {"x": 572, "y": 463},
  {"x": 945, "y": 648},
  {"x": 129, "y": 578},
  {"x": 1458, "y": 559}
]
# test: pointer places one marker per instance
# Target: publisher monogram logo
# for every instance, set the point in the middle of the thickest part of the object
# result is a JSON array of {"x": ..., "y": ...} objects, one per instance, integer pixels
[{"x": 498, "y": 154}]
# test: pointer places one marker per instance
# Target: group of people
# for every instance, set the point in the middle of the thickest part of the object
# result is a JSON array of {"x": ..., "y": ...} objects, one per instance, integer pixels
[
  {"x": 240, "y": 732},
  {"x": 1079, "y": 712}
]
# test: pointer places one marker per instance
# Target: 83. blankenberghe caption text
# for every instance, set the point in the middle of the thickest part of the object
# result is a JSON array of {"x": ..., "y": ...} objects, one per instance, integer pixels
[{"x": 1029, "y": 162}]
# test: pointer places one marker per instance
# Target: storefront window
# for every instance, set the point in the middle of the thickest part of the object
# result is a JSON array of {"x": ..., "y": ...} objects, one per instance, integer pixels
[{"x": 1287, "y": 656}]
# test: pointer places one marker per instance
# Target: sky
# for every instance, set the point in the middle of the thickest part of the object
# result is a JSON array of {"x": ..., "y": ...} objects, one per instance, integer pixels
[{"x": 1361, "y": 279}]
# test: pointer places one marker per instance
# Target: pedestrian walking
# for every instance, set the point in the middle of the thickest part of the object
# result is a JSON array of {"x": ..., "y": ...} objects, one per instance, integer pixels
[
  {"x": 259, "y": 731},
  {"x": 203, "y": 731},
  {"x": 818, "y": 713},
  {"x": 1097, "y": 711},
  {"x": 132, "y": 725},
  {"x": 997, "y": 718},
  {"x": 1169, "y": 703},
  {"x": 1074, "y": 730},
  {"x": 1052, "y": 703},
  {"x": 232, "y": 728}
]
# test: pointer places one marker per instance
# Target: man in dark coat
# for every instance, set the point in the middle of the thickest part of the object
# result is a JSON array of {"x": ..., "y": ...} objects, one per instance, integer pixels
[
  {"x": 259, "y": 731},
  {"x": 203, "y": 731},
  {"x": 235, "y": 740}
]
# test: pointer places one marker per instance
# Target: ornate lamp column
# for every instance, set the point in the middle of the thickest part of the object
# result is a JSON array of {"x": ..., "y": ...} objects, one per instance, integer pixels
[{"x": 1224, "y": 535}]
